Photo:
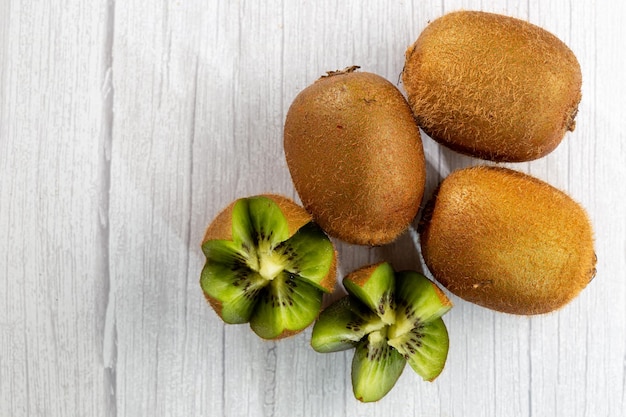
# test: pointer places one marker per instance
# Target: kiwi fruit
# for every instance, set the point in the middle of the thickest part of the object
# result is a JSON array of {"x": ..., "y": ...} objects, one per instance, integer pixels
[
  {"x": 492, "y": 86},
  {"x": 389, "y": 318},
  {"x": 267, "y": 263},
  {"x": 507, "y": 241},
  {"x": 355, "y": 156}
]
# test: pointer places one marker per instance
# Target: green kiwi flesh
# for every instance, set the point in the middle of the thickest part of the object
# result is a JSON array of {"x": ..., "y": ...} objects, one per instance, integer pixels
[
  {"x": 264, "y": 270},
  {"x": 355, "y": 156},
  {"x": 507, "y": 241},
  {"x": 389, "y": 318},
  {"x": 376, "y": 367},
  {"x": 492, "y": 86}
]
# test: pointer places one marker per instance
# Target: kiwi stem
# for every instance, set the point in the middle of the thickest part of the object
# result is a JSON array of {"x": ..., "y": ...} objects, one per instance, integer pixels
[{"x": 346, "y": 70}]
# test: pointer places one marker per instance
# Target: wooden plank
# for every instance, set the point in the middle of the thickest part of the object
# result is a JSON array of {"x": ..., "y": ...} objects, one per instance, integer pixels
[
  {"x": 153, "y": 83},
  {"x": 52, "y": 232}
]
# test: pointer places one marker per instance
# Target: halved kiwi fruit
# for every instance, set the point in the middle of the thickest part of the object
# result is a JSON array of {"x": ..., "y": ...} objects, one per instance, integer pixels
[
  {"x": 492, "y": 86},
  {"x": 390, "y": 318},
  {"x": 267, "y": 264},
  {"x": 507, "y": 241}
]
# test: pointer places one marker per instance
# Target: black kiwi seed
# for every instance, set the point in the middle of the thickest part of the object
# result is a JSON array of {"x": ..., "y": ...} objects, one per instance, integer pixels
[
  {"x": 239, "y": 245},
  {"x": 374, "y": 354},
  {"x": 392, "y": 328},
  {"x": 355, "y": 326}
]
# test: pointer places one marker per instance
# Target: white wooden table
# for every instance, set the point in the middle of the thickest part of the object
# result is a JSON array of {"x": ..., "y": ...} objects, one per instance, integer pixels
[{"x": 125, "y": 126}]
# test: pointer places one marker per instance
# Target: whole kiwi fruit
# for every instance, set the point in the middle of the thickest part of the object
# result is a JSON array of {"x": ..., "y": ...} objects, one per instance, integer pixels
[
  {"x": 355, "y": 156},
  {"x": 268, "y": 264},
  {"x": 507, "y": 241},
  {"x": 492, "y": 86}
]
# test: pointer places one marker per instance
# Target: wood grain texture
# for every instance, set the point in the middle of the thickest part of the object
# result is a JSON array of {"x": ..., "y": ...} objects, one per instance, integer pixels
[
  {"x": 52, "y": 228},
  {"x": 125, "y": 127}
]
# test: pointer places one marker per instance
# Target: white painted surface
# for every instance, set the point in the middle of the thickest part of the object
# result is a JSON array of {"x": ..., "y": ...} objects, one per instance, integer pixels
[{"x": 126, "y": 126}]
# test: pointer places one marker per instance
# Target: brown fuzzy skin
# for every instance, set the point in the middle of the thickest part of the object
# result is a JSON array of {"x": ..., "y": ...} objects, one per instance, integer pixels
[
  {"x": 362, "y": 275},
  {"x": 507, "y": 241},
  {"x": 355, "y": 156},
  {"x": 492, "y": 86},
  {"x": 221, "y": 229}
]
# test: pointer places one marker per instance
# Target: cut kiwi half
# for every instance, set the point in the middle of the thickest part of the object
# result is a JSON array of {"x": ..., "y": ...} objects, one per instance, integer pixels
[
  {"x": 267, "y": 264},
  {"x": 391, "y": 319}
]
